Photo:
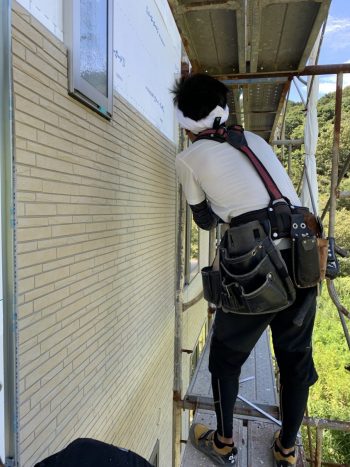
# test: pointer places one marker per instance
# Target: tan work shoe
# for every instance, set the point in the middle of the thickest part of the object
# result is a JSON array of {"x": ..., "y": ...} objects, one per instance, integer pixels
[
  {"x": 202, "y": 438},
  {"x": 283, "y": 460}
]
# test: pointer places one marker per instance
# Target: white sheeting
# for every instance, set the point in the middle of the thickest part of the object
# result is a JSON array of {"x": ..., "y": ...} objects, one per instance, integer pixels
[{"x": 309, "y": 191}]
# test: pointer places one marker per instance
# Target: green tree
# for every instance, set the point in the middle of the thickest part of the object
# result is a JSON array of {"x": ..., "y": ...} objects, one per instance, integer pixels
[
  {"x": 294, "y": 123},
  {"x": 294, "y": 129},
  {"x": 326, "y": 108},
  {"x": 330, "y": 397}
]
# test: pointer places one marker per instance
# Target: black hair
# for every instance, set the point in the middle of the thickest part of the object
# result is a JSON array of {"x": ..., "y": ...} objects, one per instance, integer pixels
[{"x": 197, "y": 95}]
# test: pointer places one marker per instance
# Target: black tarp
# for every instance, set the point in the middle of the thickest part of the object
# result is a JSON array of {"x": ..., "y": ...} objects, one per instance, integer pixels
[{"x": 85, "y": 452}]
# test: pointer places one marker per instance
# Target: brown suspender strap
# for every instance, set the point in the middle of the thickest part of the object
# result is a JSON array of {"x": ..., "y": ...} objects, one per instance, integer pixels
[
  {"x": 234, "y": 135},
  {"x": 236, "y": 138},
  {"x": 270, "y": 185}
]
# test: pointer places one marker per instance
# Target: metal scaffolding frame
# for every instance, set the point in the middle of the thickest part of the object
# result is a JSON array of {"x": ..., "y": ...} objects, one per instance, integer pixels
[
  {"x": 7, "y": 248},
  {"x": 242, "y": 408}
]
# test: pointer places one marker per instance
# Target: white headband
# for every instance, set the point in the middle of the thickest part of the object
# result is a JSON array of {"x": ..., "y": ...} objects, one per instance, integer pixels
[{"x": 205, "y": 123}]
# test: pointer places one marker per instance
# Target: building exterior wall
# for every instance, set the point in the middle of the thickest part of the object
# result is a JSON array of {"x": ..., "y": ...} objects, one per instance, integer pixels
[
  {"x": 48, "y": 13},
  {"x": 194, "y": 320},
  {"x": 195, "y": 323},
  {"x": 95, "y": 230}
]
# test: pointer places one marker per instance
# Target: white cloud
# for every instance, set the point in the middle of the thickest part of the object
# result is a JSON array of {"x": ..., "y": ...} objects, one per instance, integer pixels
[
  {"x": 335, "y": 25},
  {"x": 328, "y": 83},
  {"x": 337, "y": 34}
]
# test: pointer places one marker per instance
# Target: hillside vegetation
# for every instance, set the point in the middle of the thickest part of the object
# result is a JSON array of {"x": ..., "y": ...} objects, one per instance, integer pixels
[{"x": 330, "y": 397}]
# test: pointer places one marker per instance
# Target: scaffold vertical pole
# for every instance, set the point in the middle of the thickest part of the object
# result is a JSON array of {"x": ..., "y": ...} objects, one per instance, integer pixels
[
  {"x": 180, "y": 274},
  {"x": 311, "y": 451},
  {"x": 319, "y": 440},
  {"x": 334, "y": 185},
  {"x": 335, "y": 155}
]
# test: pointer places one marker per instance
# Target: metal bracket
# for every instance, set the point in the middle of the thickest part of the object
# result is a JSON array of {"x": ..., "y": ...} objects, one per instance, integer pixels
[
  {"x": 254, "y": 406},
  {"x": 249, "y": 378}
]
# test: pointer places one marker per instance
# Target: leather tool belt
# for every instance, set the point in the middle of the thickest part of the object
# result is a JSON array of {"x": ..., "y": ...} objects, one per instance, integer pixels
[
  {"x": 249, "y": 275},
  {"x": 309, "y": 249},
  {"x": 279, "y": 213},
  {"x": 252, "y": 277}
]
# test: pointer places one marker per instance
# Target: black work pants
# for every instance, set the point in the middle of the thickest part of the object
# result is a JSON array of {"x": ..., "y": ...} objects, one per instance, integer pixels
[{"x": 234, "y": 336}]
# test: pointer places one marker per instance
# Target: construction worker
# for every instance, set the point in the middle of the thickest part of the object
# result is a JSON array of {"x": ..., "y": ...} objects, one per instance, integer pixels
[{"x": 222, "y": 185}]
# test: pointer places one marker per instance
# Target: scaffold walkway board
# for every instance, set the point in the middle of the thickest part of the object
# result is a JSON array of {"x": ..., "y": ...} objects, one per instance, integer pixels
[
  {"x": 252, "y": 437},
  {"x": 257, "y": 382},
  {"x": 252, "y": 431}
]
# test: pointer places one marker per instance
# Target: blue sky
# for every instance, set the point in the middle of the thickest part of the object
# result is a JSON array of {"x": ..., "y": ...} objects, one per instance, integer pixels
[{"x": 335, "y": 46}]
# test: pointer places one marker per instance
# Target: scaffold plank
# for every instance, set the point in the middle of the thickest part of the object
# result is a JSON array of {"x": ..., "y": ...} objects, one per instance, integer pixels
[
  {"x": 260, "y": 436},
  {"x": 253, "y": 434},
  {"x": 257, "y": 377},
  {"x": 194, "y": 458}
]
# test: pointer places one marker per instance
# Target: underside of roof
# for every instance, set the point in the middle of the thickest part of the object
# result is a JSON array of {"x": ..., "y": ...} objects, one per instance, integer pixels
[{"x": 229, "y": 38}]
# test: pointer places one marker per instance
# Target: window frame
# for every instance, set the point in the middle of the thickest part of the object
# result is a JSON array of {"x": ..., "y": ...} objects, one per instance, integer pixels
[
  {"x": 190, "y": 273},
  {"x": 78, "y": 87},
  {"x": 198, "y": 348}
]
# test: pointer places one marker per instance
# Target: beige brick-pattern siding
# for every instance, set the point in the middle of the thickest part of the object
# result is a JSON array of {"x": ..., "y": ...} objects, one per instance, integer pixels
[{"x": 95, "y": 238}]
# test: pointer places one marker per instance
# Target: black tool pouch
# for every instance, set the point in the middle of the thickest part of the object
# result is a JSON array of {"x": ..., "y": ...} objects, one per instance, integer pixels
[
  {"x": 305, "y": 253},
  {"x": 255, "y": 278},
  {"x": 306, "y": 266},
  {"x": 211, "y": 280},
  {"x": 279, "y": 216}
]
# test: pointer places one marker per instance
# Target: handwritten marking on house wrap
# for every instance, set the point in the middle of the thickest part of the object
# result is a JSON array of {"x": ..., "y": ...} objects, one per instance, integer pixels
[{"x": 156, "y": 27}]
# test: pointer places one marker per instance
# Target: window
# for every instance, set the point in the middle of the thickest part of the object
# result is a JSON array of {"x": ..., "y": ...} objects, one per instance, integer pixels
[
  {"x": 88, "y": 35},
  {"x": 202, "y": 338},
  {"x": 192, "y": 247},
  {"x": 198, "y": 349}
]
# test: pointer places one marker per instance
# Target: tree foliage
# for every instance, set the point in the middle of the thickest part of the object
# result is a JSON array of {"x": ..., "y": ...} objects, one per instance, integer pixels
[
  {"x": 330, "y": 397},
  {"x": 294, "y": 129}
]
